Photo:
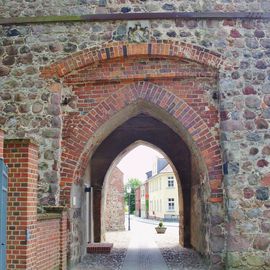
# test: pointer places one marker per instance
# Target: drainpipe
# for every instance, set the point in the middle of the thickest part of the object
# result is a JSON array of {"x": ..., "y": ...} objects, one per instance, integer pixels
[{"x": 88, "y": 212}]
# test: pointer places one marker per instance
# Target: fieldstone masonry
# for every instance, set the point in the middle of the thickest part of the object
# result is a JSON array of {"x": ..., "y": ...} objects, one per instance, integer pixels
[
  {"x": 38, "y": 100},
  {"x": 115, "y": 206}
]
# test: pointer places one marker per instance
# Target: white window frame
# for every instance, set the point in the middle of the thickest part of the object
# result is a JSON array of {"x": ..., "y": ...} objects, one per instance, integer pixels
[
  {"x": 171, "y": 204},
  {"x": 170, "y": 182}
]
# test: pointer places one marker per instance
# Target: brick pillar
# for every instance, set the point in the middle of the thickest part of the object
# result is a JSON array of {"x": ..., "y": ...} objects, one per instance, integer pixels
[
  {"x": 63, "y": 241},
  {"x": 22, "y": 158}
]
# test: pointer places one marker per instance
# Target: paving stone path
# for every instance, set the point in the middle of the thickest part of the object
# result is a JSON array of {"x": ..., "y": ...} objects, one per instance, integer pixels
[
  {"x": 143, "y": 249},
  {"x": 143, "y": 253}
]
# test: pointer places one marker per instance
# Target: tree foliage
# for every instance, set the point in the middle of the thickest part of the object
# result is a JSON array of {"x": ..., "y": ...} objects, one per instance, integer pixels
[{"x": 133, "y": 183}]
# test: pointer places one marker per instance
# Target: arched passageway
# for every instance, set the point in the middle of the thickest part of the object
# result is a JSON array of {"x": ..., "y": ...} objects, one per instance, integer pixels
[
  {"x": 183, "y": 99},
  {"x": 139, "y": 162},
  {"x": 147, "y": 128},
  {"x": 147, "y": 160},
  {"x": 170, "y": 124}
]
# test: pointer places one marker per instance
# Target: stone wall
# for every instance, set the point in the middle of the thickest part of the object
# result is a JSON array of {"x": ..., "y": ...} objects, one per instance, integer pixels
[
  {"x": 39, "y": 104},
  {"x": 78, "y": 216},
  {"x": 34, "y": 107},
  {"x": 1, "y": 143},
  {"x": 74, "y": 7},
  {"x": 198, "y": 211},
  {"x": 115, "y": 208}
]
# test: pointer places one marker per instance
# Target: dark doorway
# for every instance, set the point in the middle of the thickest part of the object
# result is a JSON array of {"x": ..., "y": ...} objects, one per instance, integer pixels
[{"x": 146, "y": 128}]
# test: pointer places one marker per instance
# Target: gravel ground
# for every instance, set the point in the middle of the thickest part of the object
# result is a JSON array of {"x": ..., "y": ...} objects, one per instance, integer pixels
[
  {"x": 177, "y": 258},
  {"x": 181, "y": 258},
  {"x": 112, "y": 261}
]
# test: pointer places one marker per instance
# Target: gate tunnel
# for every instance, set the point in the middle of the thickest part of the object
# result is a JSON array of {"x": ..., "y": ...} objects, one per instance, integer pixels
[{"x": 144, "y": 127}]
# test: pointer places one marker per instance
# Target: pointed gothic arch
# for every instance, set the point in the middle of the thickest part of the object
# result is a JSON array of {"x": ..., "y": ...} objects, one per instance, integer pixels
[
  {"x": 142, "y": 95},
  {"x": 114, "y": 164},
  {"x": 121, "y": 105}
]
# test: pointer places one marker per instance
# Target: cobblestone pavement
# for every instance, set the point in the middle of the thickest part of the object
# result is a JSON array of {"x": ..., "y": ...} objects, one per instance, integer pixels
[
  {"x": 112, "y": 261},
  {"x": 175, "y": 256}
]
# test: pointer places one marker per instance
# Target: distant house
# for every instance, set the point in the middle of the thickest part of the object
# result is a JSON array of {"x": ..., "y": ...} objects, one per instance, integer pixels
[
  {"x": 157, "y": 198},
  {"x": 142, "y": 194},
  {"x": 163, "y": 192},
  {"x": 142, "y": 201},
  {"x": 138, "y": 202}
]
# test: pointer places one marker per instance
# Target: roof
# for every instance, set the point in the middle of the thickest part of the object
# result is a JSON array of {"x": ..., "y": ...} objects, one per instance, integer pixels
[
  {"x": 162, "y": 167},
  {"x": 167, "y": 169},
  {"x": 161, "y": 164}
]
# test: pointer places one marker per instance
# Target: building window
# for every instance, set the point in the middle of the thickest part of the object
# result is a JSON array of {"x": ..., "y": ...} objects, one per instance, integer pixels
[
  {"x": 170, "y": 181},
  {"x": 171, "y": 204}
]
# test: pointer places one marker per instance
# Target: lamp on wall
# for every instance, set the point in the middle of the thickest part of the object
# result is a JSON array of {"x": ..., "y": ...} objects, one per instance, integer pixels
[{"x": 128, "y": 192}]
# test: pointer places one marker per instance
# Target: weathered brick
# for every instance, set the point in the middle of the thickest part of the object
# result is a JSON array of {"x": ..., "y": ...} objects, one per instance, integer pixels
[{"x": 27, "y": 176}]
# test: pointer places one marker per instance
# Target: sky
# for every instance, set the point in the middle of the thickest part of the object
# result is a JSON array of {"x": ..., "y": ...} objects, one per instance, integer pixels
[{"x": 137, "y": 162}]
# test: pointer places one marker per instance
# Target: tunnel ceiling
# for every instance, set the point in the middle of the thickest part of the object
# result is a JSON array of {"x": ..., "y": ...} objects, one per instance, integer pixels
[{"x": 146, "y": 128}]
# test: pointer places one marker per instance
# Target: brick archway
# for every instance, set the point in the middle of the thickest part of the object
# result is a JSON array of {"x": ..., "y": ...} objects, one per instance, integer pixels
[
  {"x": 77, "y": 147},
  {"x": 161, "y": 48},
  {"x": 118, "y": 81}
]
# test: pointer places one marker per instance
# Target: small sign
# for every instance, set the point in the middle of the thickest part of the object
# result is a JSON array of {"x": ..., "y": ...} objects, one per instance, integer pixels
[
  {"x": 74, "y": 201},
  {"x": 27, "y": 235}
]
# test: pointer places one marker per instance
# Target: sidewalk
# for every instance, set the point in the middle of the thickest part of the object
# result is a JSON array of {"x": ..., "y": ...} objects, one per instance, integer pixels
[
  {"x": 151, "y": 221},
  {"x": 143, "y": 253}
]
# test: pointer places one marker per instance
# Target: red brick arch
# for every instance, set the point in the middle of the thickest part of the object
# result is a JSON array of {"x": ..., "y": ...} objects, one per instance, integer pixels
[
  {"x": 77, "y": 147},
  {"x": 164, "y": 48}
]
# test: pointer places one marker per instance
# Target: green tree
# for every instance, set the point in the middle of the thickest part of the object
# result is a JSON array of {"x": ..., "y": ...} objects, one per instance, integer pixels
[{"x": 133, "y": 183}]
